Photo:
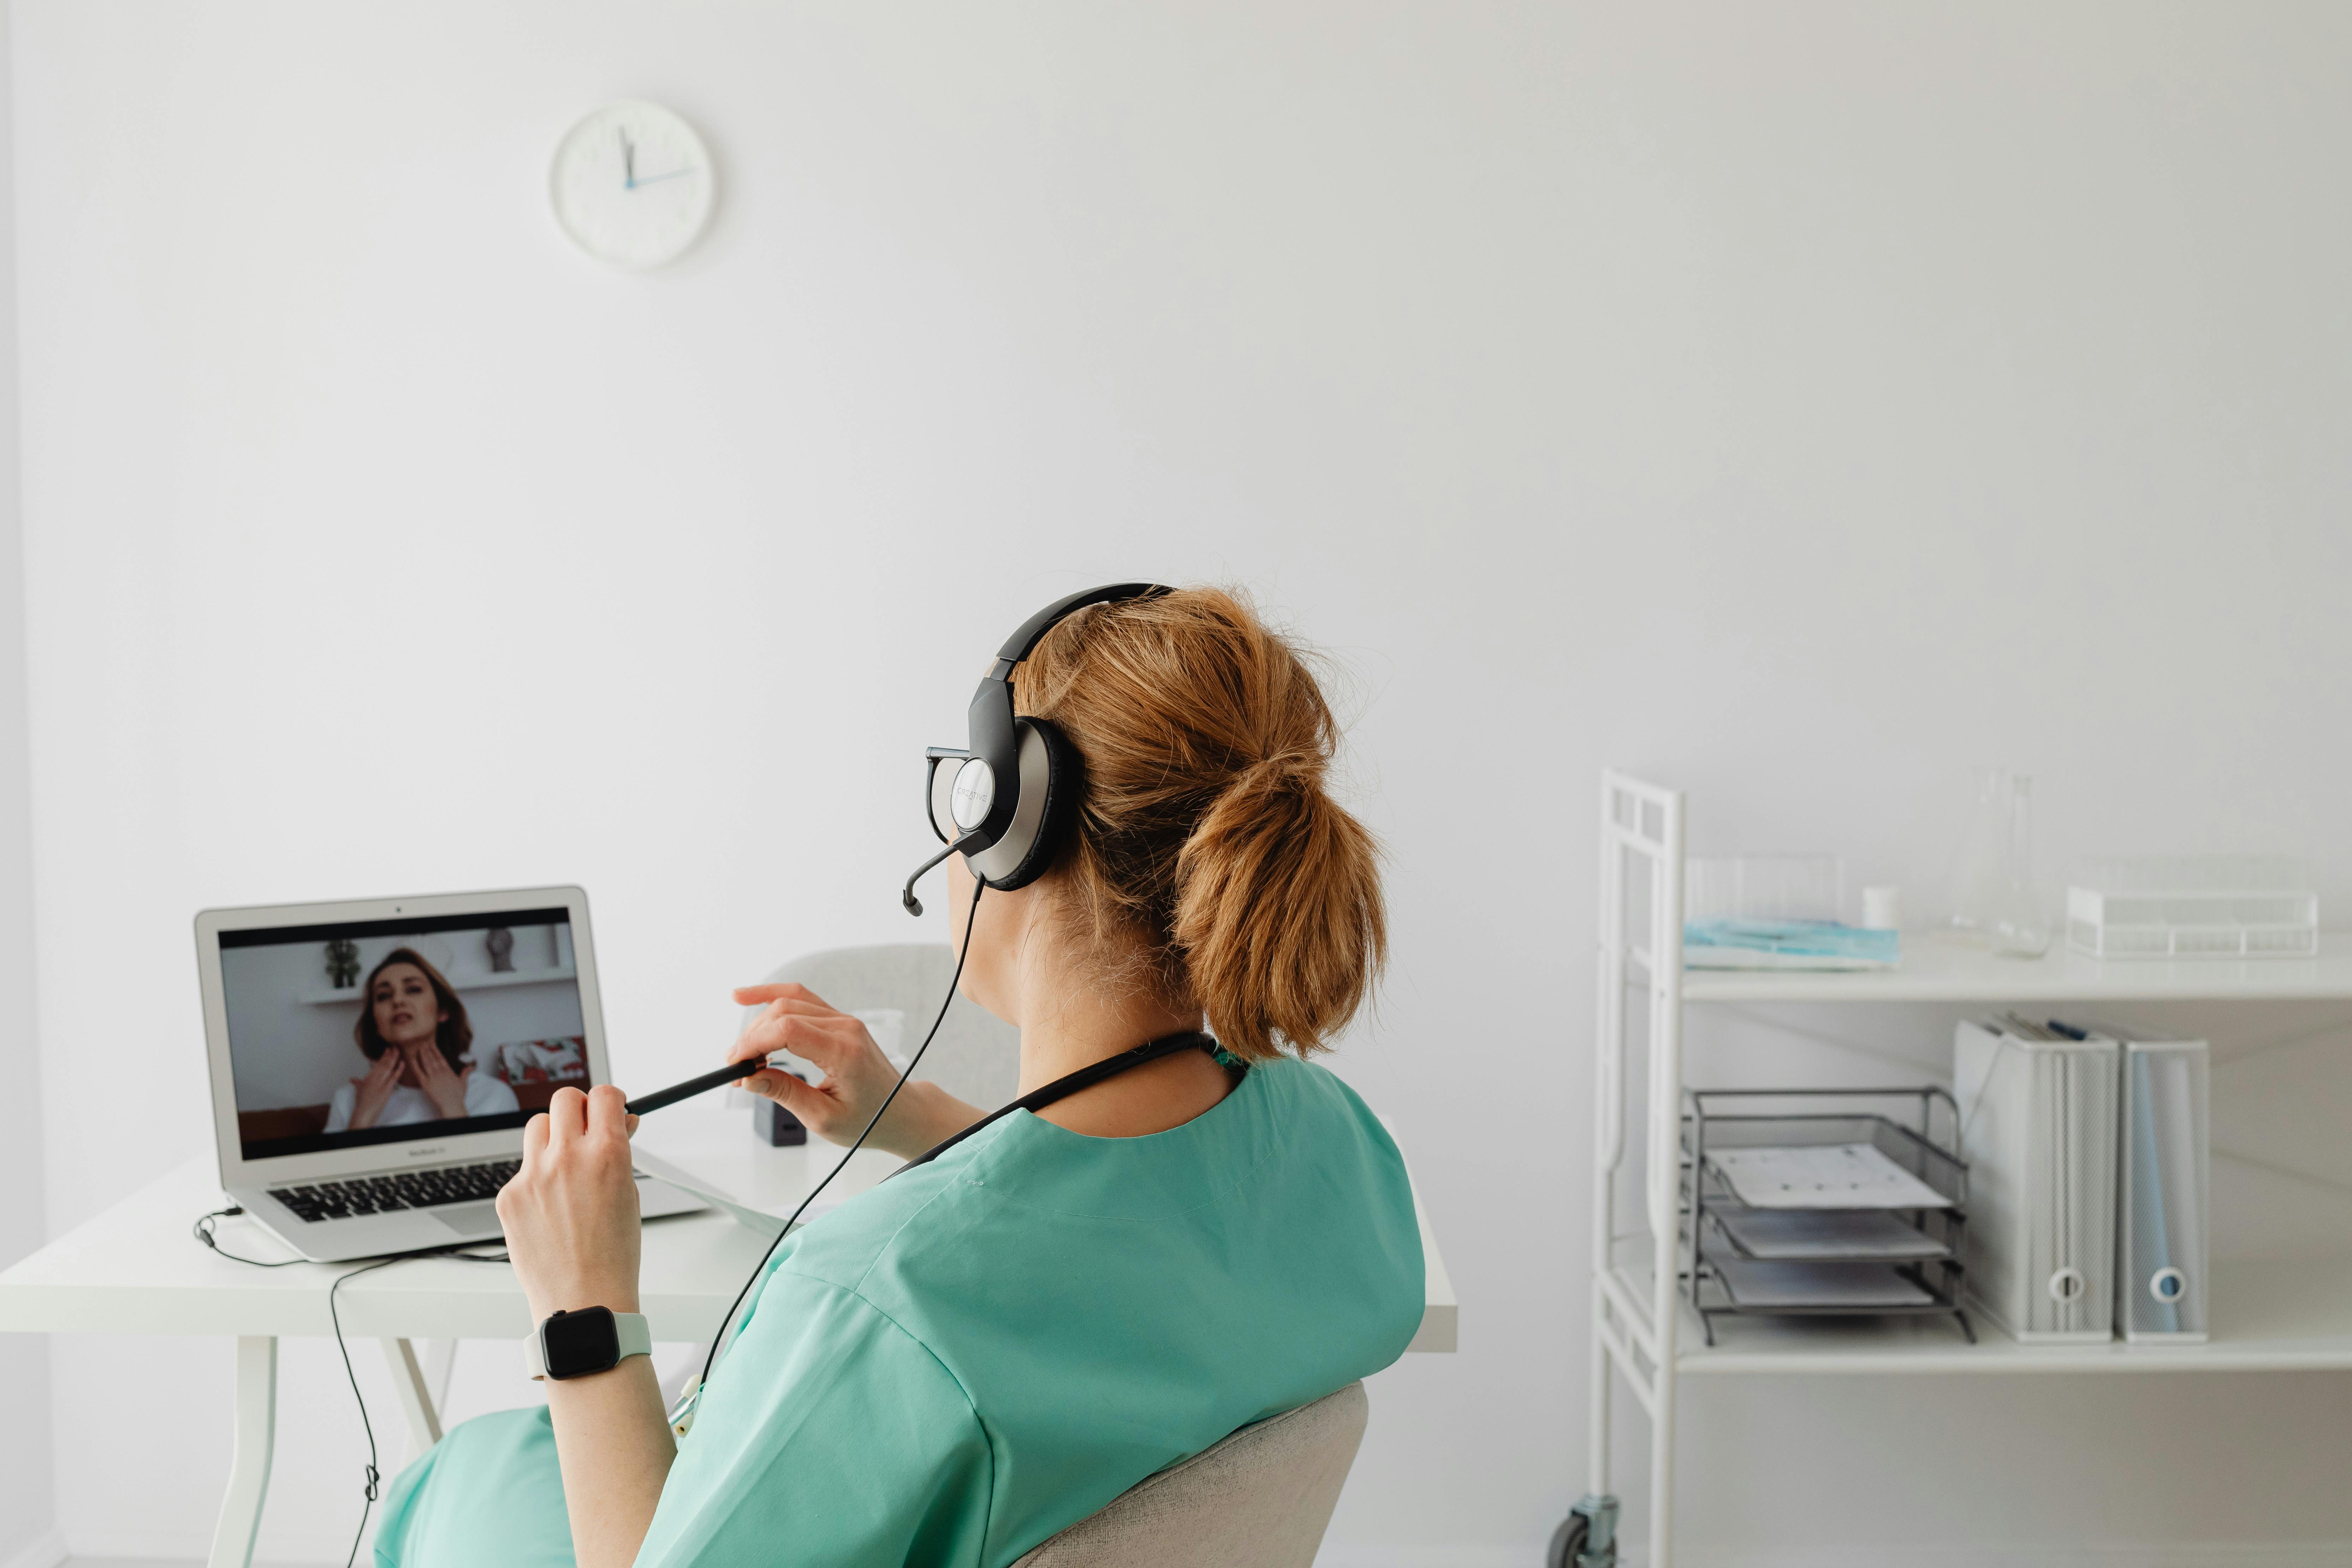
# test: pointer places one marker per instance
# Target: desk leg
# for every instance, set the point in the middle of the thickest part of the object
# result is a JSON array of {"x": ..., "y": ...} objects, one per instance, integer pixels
[
  {"x": 440, "y": 1360},
  {"x": 248, "y": 1471},
  {"x": 415, "y": 1398}
]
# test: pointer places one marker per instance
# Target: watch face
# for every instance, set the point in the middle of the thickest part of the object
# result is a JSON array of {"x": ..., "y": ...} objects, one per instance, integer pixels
[{"x": 577, "y": 1343}]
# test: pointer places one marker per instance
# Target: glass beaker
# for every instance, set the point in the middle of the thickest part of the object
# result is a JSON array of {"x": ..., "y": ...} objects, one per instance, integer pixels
[
  {"x": 2020, "y": 927},
  {"x": 1979, "y": 872}
]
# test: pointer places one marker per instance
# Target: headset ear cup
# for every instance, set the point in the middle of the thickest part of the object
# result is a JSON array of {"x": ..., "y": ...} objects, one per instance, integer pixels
[{"x": 1065, "y": 784}]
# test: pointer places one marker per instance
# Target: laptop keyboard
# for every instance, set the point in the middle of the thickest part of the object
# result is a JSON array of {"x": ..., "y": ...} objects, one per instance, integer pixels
[{"x": 404, "y": 1190}]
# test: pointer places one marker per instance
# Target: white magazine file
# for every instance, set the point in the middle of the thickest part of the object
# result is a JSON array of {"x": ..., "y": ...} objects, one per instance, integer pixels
[
  {"x": 2165, "y": 1242},
  {"x": 2039, "y": 1120}
]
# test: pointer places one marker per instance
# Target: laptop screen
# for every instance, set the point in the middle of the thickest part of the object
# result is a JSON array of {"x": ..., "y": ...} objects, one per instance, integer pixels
[{"x": 380, "y": 1031}]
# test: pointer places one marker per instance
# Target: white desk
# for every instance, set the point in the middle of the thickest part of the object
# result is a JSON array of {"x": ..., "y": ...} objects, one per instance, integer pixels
[{"x": 135, "y": 1269}]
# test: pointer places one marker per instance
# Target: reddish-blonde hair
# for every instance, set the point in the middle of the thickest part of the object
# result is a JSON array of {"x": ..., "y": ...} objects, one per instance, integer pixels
[{"x": 1204, "y": 828}]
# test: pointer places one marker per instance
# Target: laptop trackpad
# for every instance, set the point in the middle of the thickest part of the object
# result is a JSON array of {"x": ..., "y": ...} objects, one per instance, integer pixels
[{"x": 474, "y": 1221}]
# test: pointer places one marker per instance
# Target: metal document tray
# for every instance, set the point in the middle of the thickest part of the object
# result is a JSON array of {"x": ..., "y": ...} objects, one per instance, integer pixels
[{"x": 1823, "y": 1262}]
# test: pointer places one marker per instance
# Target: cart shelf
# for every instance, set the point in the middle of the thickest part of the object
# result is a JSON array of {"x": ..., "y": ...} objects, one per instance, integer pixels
[
  {"x": 1932, "y": 971},
  {"x": 2267, "y": 1317}
]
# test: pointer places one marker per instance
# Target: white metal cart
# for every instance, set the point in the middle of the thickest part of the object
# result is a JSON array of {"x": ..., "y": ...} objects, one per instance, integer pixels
[{"x": 2266, "y": 1316}]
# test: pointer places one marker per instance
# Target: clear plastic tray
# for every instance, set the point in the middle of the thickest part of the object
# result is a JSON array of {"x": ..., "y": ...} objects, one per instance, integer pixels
[
  {"x": 1763, "y": 888},
  {"x": 2205, "y": 906}
]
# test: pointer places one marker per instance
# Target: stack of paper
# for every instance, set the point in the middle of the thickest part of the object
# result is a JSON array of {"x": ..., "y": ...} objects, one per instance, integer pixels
[
  {"x": 1858, "y": 1285},
  {"x": 1770, "y": 1235},
  {"x": 1822, "y": 1176}
]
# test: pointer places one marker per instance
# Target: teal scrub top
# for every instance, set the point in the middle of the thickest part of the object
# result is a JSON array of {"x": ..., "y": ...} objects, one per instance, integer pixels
[{"x": 982, "y": 1350}]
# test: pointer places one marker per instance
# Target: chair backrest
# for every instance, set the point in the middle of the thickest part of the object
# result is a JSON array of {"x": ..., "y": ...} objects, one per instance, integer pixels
[
  {"x": 1261, "y": 1499},
  {"x": 977, "y": 1057}
]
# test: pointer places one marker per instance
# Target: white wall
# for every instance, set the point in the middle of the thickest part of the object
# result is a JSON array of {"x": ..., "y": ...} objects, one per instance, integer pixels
[
  {"x": 25, "y": 1506},
  {"x": 1800, "y": 403}
]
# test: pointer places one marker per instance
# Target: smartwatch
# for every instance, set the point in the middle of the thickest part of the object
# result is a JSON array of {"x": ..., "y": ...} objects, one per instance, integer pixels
[{"x": 582, "y": 1343}]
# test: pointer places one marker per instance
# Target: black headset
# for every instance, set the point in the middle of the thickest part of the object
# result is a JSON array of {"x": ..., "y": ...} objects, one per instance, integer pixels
[{"x": 1009, "y": 797}]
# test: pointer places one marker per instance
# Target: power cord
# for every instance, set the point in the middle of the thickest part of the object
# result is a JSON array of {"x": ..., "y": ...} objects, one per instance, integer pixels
[
  {"x": 204, "y": 1230},
  {"x": 373, "y": 1475},
  {"x": 682, "y": 1414},
  {"x": 205, "y": 1226}
]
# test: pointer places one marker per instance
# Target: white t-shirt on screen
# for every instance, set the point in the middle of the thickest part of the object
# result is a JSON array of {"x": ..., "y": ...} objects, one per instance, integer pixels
[{"x": 485, "y": 1096}]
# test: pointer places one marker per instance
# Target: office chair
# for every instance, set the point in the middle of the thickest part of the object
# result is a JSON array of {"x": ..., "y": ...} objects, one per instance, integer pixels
[{"x": 1261, "y": 1499}]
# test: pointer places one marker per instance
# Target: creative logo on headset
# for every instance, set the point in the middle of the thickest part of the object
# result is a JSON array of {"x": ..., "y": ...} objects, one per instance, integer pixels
[
  {"x": 975, "y": 792},
  {"x": 1004, "y": 805}
]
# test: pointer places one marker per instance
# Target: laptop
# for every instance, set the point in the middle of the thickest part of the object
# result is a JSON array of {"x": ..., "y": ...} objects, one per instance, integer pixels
[{"x": 372, "y": 1063}]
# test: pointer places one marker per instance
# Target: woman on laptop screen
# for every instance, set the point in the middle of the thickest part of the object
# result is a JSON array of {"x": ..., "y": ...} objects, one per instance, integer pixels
[
  {"x": 991, "y": 1345},
  {"x": 412, "y": 1028}
]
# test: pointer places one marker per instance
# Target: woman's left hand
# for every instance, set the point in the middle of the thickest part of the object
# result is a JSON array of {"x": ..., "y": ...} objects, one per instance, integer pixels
[
  {"x": 443, "y": 1087},
  {"x": 570, "y": 1213}
]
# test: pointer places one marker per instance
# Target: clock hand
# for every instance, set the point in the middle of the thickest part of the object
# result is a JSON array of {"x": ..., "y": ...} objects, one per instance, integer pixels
[
  {"x": 628, "y": 161},
  {"x": 654, "y": 179}
]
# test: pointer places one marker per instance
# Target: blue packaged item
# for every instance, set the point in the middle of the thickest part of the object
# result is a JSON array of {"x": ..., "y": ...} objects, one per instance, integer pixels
[{"x": 1787, "y": 944}]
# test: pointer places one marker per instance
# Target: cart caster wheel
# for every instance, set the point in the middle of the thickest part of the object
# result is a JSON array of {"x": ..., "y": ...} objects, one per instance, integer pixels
[{"x": 1587, "y": 1538}]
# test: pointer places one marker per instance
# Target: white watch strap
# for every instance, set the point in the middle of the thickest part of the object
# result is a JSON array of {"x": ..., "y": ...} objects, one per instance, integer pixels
[
  {"x": 635, "y": 1338},
  {"x": 629, "y": 1328}
]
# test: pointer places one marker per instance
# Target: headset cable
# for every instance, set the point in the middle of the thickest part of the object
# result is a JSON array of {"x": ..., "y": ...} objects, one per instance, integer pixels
[{"x": 681, "y": 1414}]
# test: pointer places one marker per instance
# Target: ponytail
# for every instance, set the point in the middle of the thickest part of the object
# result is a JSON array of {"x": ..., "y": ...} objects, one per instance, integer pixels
[{"x": 1205, "y": 827}]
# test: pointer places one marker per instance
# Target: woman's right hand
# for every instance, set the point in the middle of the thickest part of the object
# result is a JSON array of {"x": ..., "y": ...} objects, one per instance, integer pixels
[
  {"x": 858, "y": 1076},
  {"x": 376, "y": 1090}
]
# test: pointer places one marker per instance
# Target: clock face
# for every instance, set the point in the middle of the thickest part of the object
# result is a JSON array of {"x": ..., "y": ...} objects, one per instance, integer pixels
[{"x": 632, "y": 186}]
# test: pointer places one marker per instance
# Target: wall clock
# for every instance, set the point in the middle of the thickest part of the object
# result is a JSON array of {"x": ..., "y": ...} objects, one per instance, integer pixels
[{"x": 632, "y": 186}]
